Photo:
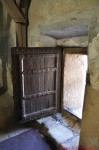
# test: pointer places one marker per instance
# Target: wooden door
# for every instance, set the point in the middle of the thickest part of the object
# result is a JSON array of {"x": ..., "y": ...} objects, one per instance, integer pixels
[{"x": 36, "y": 76}]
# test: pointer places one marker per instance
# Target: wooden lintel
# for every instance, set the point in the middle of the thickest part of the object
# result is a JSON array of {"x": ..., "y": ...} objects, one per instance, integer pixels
[{"x": 13, "y": 11}]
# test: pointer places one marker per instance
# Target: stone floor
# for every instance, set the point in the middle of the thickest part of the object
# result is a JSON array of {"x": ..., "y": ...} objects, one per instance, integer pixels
[
  {"x": 63, "y": 131},
  {"x": 77, "y": 112}
]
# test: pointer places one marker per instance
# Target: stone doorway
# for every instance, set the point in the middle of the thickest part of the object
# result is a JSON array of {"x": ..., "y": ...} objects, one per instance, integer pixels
[{"x": 74, "y": 82}]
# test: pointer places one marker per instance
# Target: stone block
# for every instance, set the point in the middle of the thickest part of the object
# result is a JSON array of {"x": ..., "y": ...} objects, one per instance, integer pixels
[
  {"x": 72, "y": 144},
  {"x": 60, "y": 133}
]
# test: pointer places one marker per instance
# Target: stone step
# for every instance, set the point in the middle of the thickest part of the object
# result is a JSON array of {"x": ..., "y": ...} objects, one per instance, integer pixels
[{"x": 64, "y": 132}]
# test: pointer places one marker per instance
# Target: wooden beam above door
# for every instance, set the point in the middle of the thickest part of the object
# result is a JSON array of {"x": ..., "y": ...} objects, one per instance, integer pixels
[{"x": 13, "y": 11}]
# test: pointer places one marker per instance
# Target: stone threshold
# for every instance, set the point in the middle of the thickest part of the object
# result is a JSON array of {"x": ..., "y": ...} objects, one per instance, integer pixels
[{"x": 63, "y": 132}]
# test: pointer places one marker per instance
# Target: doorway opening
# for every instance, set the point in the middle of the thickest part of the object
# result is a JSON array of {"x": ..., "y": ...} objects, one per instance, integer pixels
[
  {"x": 37, "y": 95},
  {"x": 74, "y": 82}
]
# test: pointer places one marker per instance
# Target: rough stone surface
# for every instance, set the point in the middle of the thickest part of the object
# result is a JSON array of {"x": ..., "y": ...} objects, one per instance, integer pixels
[
  {"x": 77, "y": 112},
  {"x": 75, "y": 67},
  {"x": 73, "y": 123},
  {"x": 74, "y": 41},
  {"x": 60, "y": 133},
  {"x": 51, "y": 122},
  {"x": 72, "y": 143},
  {"x": 62, "y": 130}
]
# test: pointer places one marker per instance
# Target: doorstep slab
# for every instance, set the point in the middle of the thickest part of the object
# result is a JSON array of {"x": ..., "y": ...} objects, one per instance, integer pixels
[
  {"x": 60, "y": 130},
  {"x": 60, "y": 133},
  {"x": 43, "y": 120},
  {"x": 51, "y": 122},
  {"x": 71, "y": 144}
]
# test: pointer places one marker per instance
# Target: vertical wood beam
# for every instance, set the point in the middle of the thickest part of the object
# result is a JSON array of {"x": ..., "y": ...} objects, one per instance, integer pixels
[
  {"x": 18, "y": 10},
  {"x": 21, "y": 39},
  {"x": 21, "y": 35}
]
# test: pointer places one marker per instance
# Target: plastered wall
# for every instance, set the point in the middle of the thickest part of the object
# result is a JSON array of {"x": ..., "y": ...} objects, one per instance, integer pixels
[
  {"x": 54, "y": 14},
  {"x": 46, "y": 15},
  {"x": 90, "y": 122},
  {"x": 7, "y": 40}
]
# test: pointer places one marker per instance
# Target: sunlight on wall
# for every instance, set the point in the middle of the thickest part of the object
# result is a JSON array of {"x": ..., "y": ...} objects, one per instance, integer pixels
[{"x": 75, "y": 67}]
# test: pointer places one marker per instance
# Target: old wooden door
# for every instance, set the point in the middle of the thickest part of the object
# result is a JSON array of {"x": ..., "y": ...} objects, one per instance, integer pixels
[{"x": 36, "y": 74}]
